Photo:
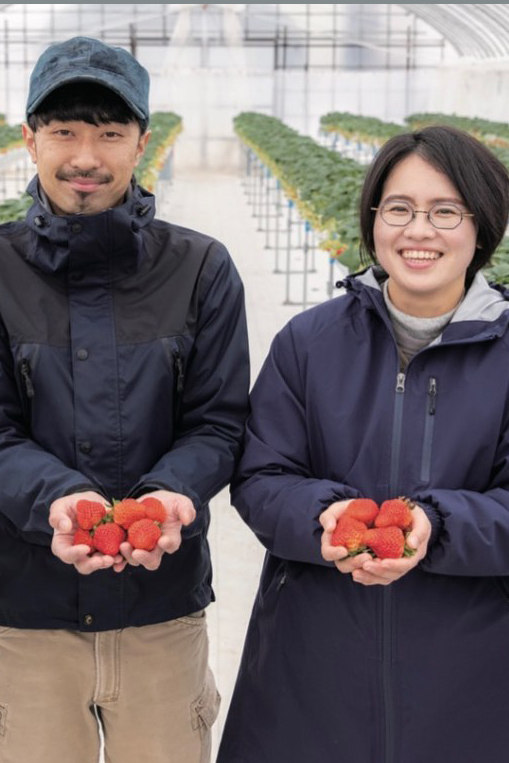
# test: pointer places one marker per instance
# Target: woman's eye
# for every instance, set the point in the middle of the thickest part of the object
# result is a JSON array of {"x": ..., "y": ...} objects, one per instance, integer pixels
[
  {"x": 397, "y": 209},
  {"x": 446, "y": 211}
]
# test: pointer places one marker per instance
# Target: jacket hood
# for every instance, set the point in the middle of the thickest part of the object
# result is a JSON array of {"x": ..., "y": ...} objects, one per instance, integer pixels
[
  {"x": 482, "y": 314},
  {"x": 112, "y": 234}
]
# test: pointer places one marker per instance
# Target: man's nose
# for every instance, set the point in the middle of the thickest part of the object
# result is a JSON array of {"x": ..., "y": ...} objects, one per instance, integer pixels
[{"x": 86, "y": 155}]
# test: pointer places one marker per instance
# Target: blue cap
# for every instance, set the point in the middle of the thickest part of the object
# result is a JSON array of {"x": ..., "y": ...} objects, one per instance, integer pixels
[{"x": 83, "y": 59}]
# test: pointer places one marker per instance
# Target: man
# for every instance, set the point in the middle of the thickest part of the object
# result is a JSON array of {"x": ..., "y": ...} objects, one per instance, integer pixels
[{"x": 123, "y": 372}]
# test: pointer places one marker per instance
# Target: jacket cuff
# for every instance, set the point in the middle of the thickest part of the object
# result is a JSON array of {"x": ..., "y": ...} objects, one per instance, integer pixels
[
  {"x": 83, "y": 488},
  {"x": 436, "y": 521}
]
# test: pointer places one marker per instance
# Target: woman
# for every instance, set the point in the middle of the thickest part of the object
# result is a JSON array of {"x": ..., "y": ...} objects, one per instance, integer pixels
[{"x": 398, "y": 387}]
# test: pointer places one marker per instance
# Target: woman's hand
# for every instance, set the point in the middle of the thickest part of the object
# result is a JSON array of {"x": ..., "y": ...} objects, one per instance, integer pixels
[
  {"x": 386, "y": 571},
  {"x": 338, "y": 554},
  {"x": 363, "y": 568}
]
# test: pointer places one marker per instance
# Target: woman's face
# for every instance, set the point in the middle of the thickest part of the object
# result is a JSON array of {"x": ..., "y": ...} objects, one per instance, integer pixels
[{"x": 426, "y": 265}]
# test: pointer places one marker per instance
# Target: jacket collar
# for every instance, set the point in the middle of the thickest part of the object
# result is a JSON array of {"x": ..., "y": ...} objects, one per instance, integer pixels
[
  {"x": 114, "y": 235},
  {"x": 483, "y": 313}
]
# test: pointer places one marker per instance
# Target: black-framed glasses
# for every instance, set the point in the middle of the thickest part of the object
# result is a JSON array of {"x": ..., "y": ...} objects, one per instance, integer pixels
[{"x": 441, "y": 215}]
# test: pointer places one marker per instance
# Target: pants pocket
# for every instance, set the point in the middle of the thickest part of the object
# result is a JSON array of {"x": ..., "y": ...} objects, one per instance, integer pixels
[
  {"x": 204, "y": 711},
  {"x": 3, "y": 719}
]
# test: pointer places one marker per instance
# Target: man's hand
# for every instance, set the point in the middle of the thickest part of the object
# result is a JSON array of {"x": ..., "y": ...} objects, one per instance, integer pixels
[
  {"x": 62, "y": 518},
  {"x": 363, "y": 568},
  {"x": 179, "y": 512}
]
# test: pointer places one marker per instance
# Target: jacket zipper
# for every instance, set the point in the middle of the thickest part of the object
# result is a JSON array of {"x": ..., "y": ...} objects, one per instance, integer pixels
[
  {"x": 387, "y": 687},
  {"x": 429, "y": 426},
  {"x": 396, "y": 432},
  {"x": 26, "y": 376},
  {"x": 178, "y": 364}
]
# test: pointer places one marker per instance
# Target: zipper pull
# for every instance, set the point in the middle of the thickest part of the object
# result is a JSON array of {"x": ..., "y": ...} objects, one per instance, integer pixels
[
  {"x": 400, "y": 382},
  {"x": 180, "y": 370},
  {"x": 432, "y": 394},
  {"x": 25, "y": 371}
]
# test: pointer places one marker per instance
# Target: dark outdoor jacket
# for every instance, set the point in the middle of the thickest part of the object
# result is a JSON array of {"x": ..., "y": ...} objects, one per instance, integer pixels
[
  {"x": 123, "y": 368},
  {"x": 418, "y": 671}
]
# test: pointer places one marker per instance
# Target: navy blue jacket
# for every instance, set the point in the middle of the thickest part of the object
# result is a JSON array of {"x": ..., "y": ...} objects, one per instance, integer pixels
[
  {"x": 418, "y": 671},
  {"x": 123, "y": 369}
]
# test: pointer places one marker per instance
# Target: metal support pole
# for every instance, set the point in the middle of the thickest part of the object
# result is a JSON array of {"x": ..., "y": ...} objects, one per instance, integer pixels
[
  {"x": 288, "y": 252},
  {"x": 278, "y": 217},
  {"x": 307, "y": 229},
  {"x": 267, "y": 209},
  {"x": 330, "y": 282}
]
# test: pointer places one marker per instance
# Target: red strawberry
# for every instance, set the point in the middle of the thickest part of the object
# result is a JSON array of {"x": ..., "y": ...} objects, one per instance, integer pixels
[
  {"x": 128, "y": 511},
  {"x": 154, "y": 508},
  {"x": 144, "y": 534},
  {"x": 386, "y": 542},
  {"x": 350, "y": 533},
  {"x": 89, "y": 513},
  {"x": 83, "y": 537},
  {"x": 108, "y": 537},
  {"x": 363, "y": 509},
  {"x": 395, "y": 513}
]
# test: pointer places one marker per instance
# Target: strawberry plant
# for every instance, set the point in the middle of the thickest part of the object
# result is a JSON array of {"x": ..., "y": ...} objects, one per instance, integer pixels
[
  {"x": 324, "y": 186},
  {"x": 10, "y": 137},
  {"x": 358, "y": 128},
  {"x": 165, "y": 127},
  {"x": 492, "y": 133}
]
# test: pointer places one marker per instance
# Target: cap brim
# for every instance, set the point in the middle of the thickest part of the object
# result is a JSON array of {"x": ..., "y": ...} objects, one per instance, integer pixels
[{"x": 68, "y": 78}]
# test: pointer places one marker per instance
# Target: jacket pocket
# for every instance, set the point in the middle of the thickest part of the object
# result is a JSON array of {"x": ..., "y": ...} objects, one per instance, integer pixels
[
  {"x": 3, "y": 719},
  {"x": 429, "y": 426},
  {"x": 178, "y": 385},
  {"x": 176, "y": 361},
  {"x": 26, "y": 388}
]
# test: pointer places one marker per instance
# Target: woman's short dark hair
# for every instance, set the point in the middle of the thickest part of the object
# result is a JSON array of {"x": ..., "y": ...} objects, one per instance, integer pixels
[
  {"x": 84, "y": 102},
  {"x": 481, "y": 179}
]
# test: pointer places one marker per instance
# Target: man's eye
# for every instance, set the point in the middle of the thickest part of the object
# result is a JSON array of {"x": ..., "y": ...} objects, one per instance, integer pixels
[{"x": 111, "y": 134}]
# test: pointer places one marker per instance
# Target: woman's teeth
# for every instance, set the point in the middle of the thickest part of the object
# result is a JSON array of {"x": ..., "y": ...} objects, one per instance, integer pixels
[{"x": 417, "y": 254}]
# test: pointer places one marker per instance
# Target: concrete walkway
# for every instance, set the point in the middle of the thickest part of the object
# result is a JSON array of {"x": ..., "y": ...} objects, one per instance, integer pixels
[{"x": 215, "y": 203}]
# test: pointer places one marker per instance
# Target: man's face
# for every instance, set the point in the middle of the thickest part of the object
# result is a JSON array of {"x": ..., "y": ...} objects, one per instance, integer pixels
[{"x": 83, "y": 168}]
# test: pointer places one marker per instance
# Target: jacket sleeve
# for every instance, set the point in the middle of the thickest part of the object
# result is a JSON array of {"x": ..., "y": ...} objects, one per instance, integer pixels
[
  {"x": 31, "y": 478},
  {"x": 470, "y": 530},
  {"x": 214, "y": 400},
  {"x": 274, "y": 490}
]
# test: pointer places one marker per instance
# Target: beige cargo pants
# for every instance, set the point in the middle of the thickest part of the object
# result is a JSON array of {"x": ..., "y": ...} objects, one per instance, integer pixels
[{"x": 150, "y": 688}]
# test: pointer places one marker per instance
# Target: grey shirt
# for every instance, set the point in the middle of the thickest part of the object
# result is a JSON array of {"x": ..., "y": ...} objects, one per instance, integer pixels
[{"x": 413, "y": 333}]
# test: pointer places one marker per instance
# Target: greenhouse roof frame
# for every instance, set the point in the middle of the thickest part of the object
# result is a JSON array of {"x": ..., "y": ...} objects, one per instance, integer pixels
[
  {"x": 478, "y": 31},
  {"x": 472, "y": 30}
]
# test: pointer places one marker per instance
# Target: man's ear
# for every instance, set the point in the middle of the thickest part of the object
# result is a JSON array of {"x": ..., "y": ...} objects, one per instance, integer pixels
[
  {"x": 142, "y": 144},
  {"x": 29, "y": 138}
]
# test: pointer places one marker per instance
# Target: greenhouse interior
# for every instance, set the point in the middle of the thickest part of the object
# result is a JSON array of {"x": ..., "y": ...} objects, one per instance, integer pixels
[{"x": 264, "y": 120}]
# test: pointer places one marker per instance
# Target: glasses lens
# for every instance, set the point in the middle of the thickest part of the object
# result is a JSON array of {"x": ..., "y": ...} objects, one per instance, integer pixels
[
  {"x": 396, "y": 212},
  {"x": 445, "y": 216}
]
